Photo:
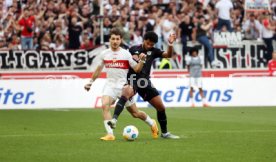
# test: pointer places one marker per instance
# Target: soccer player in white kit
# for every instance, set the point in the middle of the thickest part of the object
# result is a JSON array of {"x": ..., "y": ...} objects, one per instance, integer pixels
[
  {"x": 117, "y": 61},
  {"x": 194, "y": 65}
]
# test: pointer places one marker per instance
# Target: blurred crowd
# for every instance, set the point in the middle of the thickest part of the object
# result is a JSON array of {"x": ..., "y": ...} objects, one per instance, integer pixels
[{"x": 74, "y": 24}]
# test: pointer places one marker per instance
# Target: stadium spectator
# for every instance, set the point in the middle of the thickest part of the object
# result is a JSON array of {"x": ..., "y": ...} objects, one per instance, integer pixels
[
  {"x": 268, "y": 37},
  {"x": 168, "y": 27},
  {"x": 137, "y": 38},
  {"x": 3, "y": 44},
  {"x": 202, "y": 28},
  {"x": 237, "y": 20},
  {"x": 224, "y": 8},
  {"x": 252, "y": 28},
  {"x": 238, "y": 15},
  {"x": 186, "y": 29},
  {"x": 59, "y": 43},
  {"x": 58, "y": 33},
  {"x": 42, "y": 28},
  {"x": 171, "y": 9},
  {"x": 273, "y": 8},
  {"x": 272, "y": 65},
  {"x": 145, "y": 25},
  {"x": 26, "y": 22},
  {"x": 3, "y": 31},
  {"x": 46, "y": 42},
  {"x": 75, "y": 29},
  {"x": 158, "y": 30},
  {"x": 86, "y": 42},
  {"x": 107, "y": 26},
  {"x": 14, "y": 44},
  {"x": 194, "y": 66}
]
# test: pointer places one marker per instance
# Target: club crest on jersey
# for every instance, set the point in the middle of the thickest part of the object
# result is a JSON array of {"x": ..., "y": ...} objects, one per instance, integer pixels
[
  {"x": 114, "y": 60},
  {"x": 149, "y": 53}
]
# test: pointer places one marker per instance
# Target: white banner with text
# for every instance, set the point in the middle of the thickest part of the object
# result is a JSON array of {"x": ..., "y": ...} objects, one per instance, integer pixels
[
  {"x": 62, "y": 93},
  {"x": 257, "y": 5}
]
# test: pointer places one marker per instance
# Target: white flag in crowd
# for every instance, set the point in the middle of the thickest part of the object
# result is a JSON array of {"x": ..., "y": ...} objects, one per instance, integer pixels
[{"x": 257, "y": 5}]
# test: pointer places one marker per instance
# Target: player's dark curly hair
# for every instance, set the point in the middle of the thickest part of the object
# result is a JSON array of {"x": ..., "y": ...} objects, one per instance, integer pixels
[
  {"x": 116, "y": 31},
  {"x": 193, "y": 49},
  {"x": 151, "y": 36}
]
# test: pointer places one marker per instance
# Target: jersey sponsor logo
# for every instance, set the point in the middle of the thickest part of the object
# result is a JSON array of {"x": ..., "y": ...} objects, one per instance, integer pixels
[
  {"x": 149, "y": 53},
  {"x": 121, "y": 64}
]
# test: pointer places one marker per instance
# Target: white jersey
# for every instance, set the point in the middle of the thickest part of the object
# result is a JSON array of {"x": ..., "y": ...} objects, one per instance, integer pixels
[
  {"x": 116, "y": 64},
  {"x": 224, "y": 7},
  {"x": 267, "y": 33}
]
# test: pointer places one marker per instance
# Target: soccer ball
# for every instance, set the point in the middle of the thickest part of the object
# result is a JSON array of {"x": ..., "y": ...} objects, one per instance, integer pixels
[{"x": 130, "y": 133}]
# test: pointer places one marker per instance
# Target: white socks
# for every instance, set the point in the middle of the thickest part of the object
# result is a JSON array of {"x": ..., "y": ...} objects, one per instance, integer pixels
[
  {"x": 107, "y": 127},
  {"x": 149, "y": 121},
  {"x": 114, "y": 120}
]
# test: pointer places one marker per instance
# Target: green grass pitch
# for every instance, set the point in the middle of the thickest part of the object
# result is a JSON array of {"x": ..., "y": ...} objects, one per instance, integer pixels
[{"x": 207, "y": 135}]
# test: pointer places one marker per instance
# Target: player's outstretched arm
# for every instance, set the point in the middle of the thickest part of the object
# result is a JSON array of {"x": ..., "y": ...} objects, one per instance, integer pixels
[
  {"x": 94, "y": 77},
  {"x": 169, "y": 51},
  {"x": 142, "y": 60}
]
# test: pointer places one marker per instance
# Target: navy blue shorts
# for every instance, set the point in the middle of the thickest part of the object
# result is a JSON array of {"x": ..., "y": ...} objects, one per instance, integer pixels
[{"x": 145, "y": 89}]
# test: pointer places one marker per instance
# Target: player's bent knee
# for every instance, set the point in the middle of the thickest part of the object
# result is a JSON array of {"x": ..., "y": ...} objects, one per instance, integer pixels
[
  {"x": 128, "y": 91},
  {"x": 105, "y": 107}
]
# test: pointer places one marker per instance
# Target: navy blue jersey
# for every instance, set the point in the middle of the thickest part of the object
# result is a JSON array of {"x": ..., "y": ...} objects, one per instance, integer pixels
[{"x": 151, "y": 55}]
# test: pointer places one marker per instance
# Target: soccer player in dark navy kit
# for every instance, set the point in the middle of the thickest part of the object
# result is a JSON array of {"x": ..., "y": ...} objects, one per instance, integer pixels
[{"x": 140, "y": 82}]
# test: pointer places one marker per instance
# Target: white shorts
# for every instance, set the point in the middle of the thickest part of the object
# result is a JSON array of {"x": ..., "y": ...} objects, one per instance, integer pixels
[
  {"x": 195, "y": 82},
  {"x": 115, "y": 93}
]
